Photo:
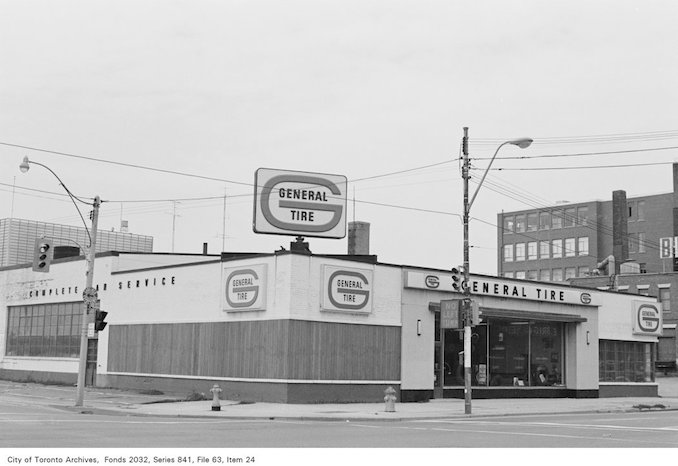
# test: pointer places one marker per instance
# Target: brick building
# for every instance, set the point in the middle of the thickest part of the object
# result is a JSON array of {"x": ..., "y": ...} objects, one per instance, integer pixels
[{"x": 17, "y": 238}]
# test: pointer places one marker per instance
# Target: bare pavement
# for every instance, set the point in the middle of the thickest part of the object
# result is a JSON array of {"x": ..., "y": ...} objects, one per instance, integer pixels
[{"x": 132, "y": 403}]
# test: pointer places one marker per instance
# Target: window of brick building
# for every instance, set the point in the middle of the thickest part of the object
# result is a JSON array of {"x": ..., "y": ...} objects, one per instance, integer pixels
[
  {"x": 509, "y": 224},
  {"x": 532, "y": 221},
  {"x": 557, "y": 219},
  {"x": 665, "y": 298},
  {"x": 532, "y": 250},
  {"x": 520, "y": 223},
  {"x": 557, "y": 248},
  {"x": 520, "y": 251},
  {"x": 583, "y": 215},
  {"x": 508, "y": 253},
  {"x": 570, "y": 247},
  {"x": 544, "y": 220},
  {"x": 544, "y": 249}
]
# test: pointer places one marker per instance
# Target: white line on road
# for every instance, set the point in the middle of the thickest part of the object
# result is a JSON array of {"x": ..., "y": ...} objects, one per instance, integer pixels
[
  {"x": 529, "y": 434},
  {"x": 560, "y": 425}
]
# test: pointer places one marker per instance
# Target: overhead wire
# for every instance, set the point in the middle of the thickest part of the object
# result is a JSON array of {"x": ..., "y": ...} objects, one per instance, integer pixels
[
  {"x": 591, "y": 224},
  {"x": 585, "y": 139}
]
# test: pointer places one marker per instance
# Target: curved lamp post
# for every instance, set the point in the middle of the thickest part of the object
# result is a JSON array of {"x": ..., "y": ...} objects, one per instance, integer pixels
[
  {"x": 89, "y": 258},
  {"x": 466, "y": 302}
]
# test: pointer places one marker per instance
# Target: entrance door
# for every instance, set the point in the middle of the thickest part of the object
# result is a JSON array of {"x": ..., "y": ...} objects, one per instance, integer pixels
[{"x": 438, "y": 359}]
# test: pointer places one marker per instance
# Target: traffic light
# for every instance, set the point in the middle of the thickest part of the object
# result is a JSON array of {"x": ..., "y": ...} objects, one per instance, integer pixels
[
  {"x": 43, "y": 253},
  {"x": 99, "y": 323},
  {"x": 458, "y": 279},
  {"x": 475, "y": 313}
]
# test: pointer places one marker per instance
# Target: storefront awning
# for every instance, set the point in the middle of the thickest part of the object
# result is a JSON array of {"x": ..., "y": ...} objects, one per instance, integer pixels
[
  {"x": 521, "y": 315},
  {"x": 529, "y": 315}
]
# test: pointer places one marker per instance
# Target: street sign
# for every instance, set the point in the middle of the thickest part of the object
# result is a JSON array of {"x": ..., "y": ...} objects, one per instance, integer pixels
[
  {"x": 89, "y": 295},
  {"x": 450, "y": 314},
  {"x": 299, "y": 203}
]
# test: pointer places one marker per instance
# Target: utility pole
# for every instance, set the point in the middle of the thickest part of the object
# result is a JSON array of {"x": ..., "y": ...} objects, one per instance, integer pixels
[
  {"x": 223, "y": 227},
  {"x": 89, "y": 281},
  {"x": 466, "y": 302},
  {"x": 174, "y": 221}
]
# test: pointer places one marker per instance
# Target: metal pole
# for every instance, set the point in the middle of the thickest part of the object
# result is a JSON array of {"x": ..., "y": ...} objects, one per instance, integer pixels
[
  {"x": 467, "y": 291},
  {"x": 84, "y": 340}
]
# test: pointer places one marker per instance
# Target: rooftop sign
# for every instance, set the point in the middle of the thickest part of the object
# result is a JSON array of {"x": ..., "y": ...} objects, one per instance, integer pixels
[{"x": 299, "y": 203}]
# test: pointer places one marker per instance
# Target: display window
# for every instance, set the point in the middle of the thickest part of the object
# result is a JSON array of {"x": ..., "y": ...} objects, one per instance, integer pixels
[
  {"x": 505, "y": 352},
  {"x": 625, "y": 361},
  {"x": 44, "y": 330}
]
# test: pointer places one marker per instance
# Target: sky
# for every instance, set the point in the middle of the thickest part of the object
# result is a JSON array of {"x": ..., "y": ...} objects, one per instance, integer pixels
[{"x": 165, "y": 109}]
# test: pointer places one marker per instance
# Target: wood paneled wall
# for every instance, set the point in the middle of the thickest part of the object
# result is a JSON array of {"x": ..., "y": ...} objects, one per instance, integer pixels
[{"x": 270, "y": 349}]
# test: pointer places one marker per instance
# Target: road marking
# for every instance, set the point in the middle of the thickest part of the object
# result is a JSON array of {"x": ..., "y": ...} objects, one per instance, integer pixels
[
  {"x": 560, "y": 424},
  {"x": 532, "y": 434}
]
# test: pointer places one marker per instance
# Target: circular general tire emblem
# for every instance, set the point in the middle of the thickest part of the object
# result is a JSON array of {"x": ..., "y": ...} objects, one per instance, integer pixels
[
  {"x": 432, "y": 281},
  {"x": 585, "y": 298},
  {"x": 648, "y": 318}
]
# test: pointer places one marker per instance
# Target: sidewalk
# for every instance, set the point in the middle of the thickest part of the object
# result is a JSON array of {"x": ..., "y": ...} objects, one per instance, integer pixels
[
  {"x": 131, "y": 403},
  {"x": 434, "y": 409}
]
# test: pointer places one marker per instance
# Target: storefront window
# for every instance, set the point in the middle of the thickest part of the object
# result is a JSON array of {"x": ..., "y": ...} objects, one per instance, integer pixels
[
  {"x": 44, "y": 330},
  {"x": 509, "y": 353},
  {"x": 506, "y": 353},
  {"x": 546, "y": 354},
  {"x": 625, "y": 361}
]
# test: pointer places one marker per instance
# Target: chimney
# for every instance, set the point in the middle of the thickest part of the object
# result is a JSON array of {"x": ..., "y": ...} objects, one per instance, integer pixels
[
  {"x": 358, "y": 238},
  {"x": 620, "y": 216},
  {"x": 204, "y": 248}
]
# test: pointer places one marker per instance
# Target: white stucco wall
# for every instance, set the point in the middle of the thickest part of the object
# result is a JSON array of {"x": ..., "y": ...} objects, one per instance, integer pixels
[{"x": 617, "y": 316}]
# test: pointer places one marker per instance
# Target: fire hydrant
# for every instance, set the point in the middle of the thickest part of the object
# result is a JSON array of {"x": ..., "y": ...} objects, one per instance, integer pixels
[
  {"x": 216, "y": 406},
  {"x": 390, "y": 399}
]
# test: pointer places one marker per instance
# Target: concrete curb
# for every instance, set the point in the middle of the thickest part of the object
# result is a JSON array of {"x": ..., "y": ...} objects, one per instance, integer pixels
[{"x": 356, "y": 418}]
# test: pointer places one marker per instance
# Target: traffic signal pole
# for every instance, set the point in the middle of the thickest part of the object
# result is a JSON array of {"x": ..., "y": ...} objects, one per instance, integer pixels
[
  {"x": 466, "y": 302},
  {"x": 84, "y": 339}
]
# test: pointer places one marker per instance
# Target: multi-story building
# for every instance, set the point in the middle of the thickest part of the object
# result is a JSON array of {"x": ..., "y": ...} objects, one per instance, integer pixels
[
  {"x": 17, "y": 239},
  {"x": 570, "y": 240}
]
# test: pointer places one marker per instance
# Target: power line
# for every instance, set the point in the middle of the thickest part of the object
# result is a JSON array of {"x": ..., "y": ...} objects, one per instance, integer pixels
[
  {"x": 581, "y": 154},
  {"x": 595, "y": 226},
  {"x": 590, "y": 139},
  {"x": 588, "y": 167},
  {"x": 123, "y": 164}
]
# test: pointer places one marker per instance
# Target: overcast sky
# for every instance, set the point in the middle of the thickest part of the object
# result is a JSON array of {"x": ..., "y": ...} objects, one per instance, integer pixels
[{"x": 217, "y": 89}]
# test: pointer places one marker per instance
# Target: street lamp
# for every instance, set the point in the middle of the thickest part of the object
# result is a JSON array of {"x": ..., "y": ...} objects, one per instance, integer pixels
[
  {"x": 89, "y": 294},
  {"x": 466, "y": 302}
]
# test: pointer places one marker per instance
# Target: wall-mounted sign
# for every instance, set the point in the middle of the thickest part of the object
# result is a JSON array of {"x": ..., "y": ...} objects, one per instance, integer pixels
[
  {"x": 647, "y": 318},
  {"x": 245, "y": 288},
  {"x": 299, "y": 203},
  {"x": 668, "y": 247},
  {"x": 347, "y": 289},
  {"x": 497, "y": 287}
]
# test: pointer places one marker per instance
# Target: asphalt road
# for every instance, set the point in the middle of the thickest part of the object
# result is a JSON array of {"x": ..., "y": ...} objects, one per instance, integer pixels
[{"x": 23, "y": 426}]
